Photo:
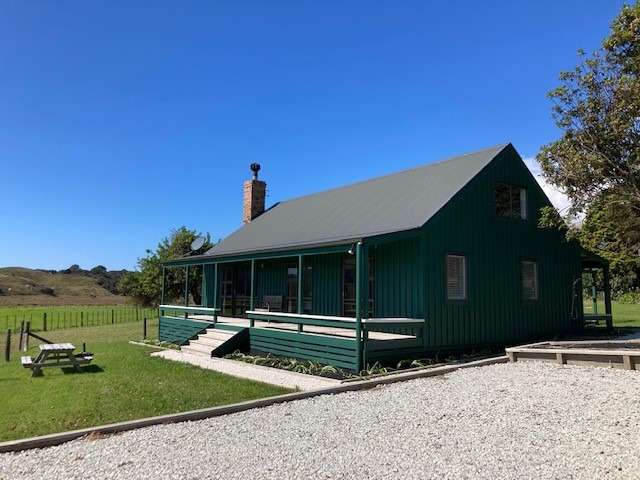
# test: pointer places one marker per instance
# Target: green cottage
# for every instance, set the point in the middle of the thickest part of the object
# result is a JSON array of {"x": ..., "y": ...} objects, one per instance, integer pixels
[{"x": 447, "y": 256}]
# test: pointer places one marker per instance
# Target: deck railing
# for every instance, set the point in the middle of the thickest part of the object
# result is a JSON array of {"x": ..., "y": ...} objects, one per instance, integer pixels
[
  {"x": 336, "y": 349},
  {"x": 591, "y": 319},
  {"x": 349, "y": 323},
  {"x": 188, "y": 312},
  {"x": 179, "y": 324}
]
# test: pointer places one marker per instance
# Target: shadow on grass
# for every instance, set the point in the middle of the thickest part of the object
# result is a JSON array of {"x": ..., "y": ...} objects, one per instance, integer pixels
[{"x": 86, "y": 369}]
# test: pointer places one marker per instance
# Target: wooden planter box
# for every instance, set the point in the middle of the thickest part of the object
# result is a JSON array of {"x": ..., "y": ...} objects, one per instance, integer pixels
[{"x": 607, "y": 353}]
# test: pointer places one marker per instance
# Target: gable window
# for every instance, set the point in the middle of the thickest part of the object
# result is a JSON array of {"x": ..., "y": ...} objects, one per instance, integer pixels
[
  {"x": 529, "y": 280},
  {"x": 511, "y": 201},
  {"x": 456, "y": 277}
]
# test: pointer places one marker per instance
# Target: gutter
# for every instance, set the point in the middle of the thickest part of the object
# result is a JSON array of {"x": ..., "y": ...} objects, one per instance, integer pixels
[{"x": 265, "y": 253}]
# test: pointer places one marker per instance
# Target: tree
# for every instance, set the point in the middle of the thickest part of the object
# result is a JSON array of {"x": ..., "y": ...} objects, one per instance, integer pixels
[
  {"x": 145, "y": 284},
  {"x": 596, "y": 162}
]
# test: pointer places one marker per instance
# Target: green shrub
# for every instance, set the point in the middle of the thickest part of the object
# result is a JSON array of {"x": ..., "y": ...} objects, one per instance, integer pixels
[
  {"x": 292, "y": 364},
  {"x": 314, "y": 368},
  {"x": 632, "y": 297}
]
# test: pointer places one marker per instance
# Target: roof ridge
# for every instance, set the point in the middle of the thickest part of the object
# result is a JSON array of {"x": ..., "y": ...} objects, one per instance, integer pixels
[{"x": 499, "y": 147}]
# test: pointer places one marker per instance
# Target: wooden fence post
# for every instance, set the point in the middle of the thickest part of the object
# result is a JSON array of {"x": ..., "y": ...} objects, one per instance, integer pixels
[
  {"x": 82, "y": 319},
  {"x": 112, "y": 320},
  {"x": 7, "y": 351},
  {"x": 21, "y": 335},
  {"x": 144, "y": 328},
  {"x": 26, "y": 338},
  {"x": 44, "y": 321}
]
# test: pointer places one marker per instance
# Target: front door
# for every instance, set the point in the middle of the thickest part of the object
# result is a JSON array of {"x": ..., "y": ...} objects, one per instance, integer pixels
[
  {"x": 349, "y": 286},
  {"x": 235, "y": 283},
  {"x": 226, "y": 290},
  {"x": 292, "y": 288}
]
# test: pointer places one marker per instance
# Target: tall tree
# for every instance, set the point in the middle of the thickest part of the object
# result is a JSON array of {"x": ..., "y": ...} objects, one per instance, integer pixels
[
  {"x": 596, "y": 162},
  {"x": 145, "y": 284}
]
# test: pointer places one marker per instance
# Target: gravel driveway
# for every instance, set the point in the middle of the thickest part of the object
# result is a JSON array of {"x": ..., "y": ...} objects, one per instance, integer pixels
[{"x": 524, "y": 420}]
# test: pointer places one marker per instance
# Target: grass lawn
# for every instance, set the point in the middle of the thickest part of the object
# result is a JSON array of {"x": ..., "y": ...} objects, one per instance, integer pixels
[
  {"x": 123, "y": 383},
  {"x": 624, "y": 315}
]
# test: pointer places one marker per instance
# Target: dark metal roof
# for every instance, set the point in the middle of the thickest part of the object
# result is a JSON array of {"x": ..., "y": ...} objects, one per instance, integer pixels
[{"x": 392, "y": 203}]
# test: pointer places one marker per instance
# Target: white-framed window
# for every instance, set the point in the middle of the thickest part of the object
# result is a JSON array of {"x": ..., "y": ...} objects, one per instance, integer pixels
[
  {"x": 529, "y": 271},
  {"x": 511, "y": 201},
  {"x": 523, "y": 203},
  {"x": 456, "y": 277}
]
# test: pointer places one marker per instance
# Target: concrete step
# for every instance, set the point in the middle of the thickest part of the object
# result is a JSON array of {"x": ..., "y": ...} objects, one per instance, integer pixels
[
  {"x": 199, "y": 347},
  {"x": 192, "y": 351},
  {"x": 223, "y": 335},
  {"x": 208, "y": 341}
]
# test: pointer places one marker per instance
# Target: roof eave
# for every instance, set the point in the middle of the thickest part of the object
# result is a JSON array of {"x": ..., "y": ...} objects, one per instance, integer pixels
[{"x": 261, "y": 253}]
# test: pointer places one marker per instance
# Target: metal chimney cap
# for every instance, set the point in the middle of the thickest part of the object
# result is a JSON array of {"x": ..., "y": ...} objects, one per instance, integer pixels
[{"x": 255, "y": 168}]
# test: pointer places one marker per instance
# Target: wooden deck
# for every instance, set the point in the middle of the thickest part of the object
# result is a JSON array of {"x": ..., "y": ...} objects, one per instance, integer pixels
[{"x": 326, "y": 339}]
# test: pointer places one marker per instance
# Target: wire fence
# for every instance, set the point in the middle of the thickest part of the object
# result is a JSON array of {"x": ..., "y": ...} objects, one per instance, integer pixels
[{"x": 57, "y": 319}]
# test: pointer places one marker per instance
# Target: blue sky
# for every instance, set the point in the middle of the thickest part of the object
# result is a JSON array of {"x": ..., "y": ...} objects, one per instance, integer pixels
[{"x": 122, "y": 120}]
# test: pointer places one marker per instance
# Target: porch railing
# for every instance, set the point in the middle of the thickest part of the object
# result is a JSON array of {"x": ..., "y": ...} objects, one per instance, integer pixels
[
  {"x": 596, "y": 318},
  {"x": 188, "y": 312},
  {"x": 300, "y": 319}
]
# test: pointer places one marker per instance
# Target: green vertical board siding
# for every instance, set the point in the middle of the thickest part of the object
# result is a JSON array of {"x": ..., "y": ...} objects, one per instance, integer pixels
[
  {"x": 179, "y": 330},
  {"x": 208, "y": 293},
  {"x": 326, "y": 284},
  {"x": 271, "y": 277},
  {"x": 399, "y": 279},
  {"x": 494, "y": 312}
]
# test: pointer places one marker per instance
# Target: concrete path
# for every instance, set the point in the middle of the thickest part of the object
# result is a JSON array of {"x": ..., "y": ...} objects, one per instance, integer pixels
[{"x": 273, "y": 376}]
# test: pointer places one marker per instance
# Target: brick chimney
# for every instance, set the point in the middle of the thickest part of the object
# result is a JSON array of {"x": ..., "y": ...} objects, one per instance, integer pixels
[{"x": 253, "y": 196}]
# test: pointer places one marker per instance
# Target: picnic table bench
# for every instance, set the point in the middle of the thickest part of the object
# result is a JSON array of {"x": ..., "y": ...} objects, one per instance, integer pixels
[{"x": 56, "y": 355}]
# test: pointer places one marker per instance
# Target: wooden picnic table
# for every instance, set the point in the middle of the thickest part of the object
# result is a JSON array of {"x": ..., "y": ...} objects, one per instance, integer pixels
[{"x": 56, "y": 355}]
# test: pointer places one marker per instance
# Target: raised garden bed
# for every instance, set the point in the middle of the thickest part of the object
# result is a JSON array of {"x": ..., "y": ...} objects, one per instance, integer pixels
[
  {"x": 605, "y": 353},
  {"x": 371, "y": 371}
]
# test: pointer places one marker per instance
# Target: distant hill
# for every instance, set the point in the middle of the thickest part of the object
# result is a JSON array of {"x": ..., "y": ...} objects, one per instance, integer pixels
[{"x": 73, "y": 286}]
